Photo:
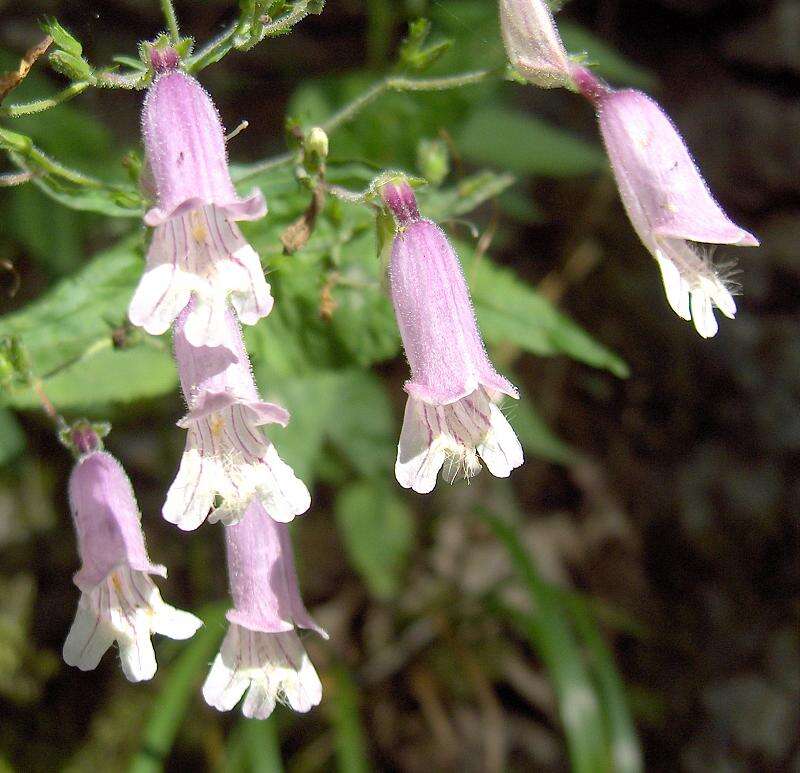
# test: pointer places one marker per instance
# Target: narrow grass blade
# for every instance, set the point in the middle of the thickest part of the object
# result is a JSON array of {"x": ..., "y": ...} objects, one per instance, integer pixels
[
  {"x": 351, "y": 746},
  {"x": 169, "y": 708},
  {"x": 550, "y": 634}
]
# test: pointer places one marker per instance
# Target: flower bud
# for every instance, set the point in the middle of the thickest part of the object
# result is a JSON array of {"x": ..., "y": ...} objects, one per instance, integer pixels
[{"x": 533, "y": 44}]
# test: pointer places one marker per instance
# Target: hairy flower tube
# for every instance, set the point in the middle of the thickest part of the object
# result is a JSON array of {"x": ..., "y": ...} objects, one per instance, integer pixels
[
  {"x": 227, "y": 455},
  {"x": 197, "y": 250},
  {"x": 533, "y": 44},
  {"x": 451, "y": 415},
  {"x": 262, "y": 653},
  {"x": 119, "y": 600},
  {"x": 667, "y": 201}
]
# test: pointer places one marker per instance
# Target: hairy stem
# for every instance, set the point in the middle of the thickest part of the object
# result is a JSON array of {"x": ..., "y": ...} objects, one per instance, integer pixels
[
  {"x": 172, "y": 20},
  {"x": 349, "y": 111},
  {"x": 40, "y": 105},
  {"x": 229, "y": 38}
]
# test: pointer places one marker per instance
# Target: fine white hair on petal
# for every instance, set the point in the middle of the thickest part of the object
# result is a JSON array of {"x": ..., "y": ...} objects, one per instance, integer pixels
[
  {"x": 268, "y": 666},
  {"x": 693, "y": 285},
  {"x": 127, "y": 607},
  {"x": 228, "y": 454},
  {"x": 452, "y": 437},
  {"x": 500, "y": 449},
  {"x": 200, "y": 254}
]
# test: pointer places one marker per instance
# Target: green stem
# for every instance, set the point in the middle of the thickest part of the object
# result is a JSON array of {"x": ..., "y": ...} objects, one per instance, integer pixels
[
  {"x": 349, "y": 111},
  {"x": 214, "y": 50},
  {"x": 229, "y": 38},
  {"x": 40, "y": 105},
  {"x": 172, "y": 21},
  {"x": 25, "y": 154}
]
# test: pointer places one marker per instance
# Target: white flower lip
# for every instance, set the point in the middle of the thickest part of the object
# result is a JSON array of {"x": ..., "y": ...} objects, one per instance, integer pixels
[{"x": 453, "y": 437}]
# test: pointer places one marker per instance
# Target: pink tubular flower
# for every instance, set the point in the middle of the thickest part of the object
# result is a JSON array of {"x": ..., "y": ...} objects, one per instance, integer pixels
[
  {"x": 226, "y": 452},
  {"x": 667, "y": 200},
  {"x": 261, "y": 653},
  {"x": 451, "y": 415},
  {"x": 533, "y": 44},
  {"x": 197, "y": 249},
  {"x": 119, "y": 600}
]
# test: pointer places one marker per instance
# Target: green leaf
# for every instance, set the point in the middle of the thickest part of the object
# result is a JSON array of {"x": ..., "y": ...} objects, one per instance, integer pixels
[
  {"x": 67, "y": 335},
  {"x": 63, "y": 39},
  {"x": 102, "y": 202},
  {"x": 524, "y": 144},
  {"x": 12, "y": 438},
  {"x": 351, "y": 744},
  {"x": 511, "y": 311},
  {"x": 626, "y": 751},
  {"x": 378, "y": 531},
  {"x": 550, "y": 634},
  {"x": 61, "y": 325},
  {"x": 177, "y": 688},
  {"x": 107, "y": 376},
  {"x": 347, "y": 409},
  {"x": 254, "y": 747}
]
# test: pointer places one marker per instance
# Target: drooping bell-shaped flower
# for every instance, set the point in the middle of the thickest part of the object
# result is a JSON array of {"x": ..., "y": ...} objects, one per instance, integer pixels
[
  {"x": 119, "y": 600},
  {"x": 533, "y": 44},
  {"x": 667, "y": 201},
  {"x": 197, "y": 249},
  {"x": 227, "y": 455},
  {"x": 262, "y": 653},
  {"x": 451, "y": 414}
]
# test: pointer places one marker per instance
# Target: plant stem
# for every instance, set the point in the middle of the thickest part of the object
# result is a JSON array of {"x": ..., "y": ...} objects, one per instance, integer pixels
[
  {"x": 214, "y": 50},
  {"x": 40, "y": 105},
  {"x": 172, "y": 20},
  {"x": 349, "y": 111},
  {"x": 229, "y": 39}
]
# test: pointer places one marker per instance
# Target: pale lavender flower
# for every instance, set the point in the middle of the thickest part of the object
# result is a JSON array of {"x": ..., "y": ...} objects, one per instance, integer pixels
[
  {"x": 667, "y": 201},
  {"x": 533, "y": 44},
  {"x": 451, "y": 413},
  {"x": 119, "y": 601},
  {"x": 227, "y": 455},
  {"x": 197, "y": 250},
  {"x": 262, "y": 653}
]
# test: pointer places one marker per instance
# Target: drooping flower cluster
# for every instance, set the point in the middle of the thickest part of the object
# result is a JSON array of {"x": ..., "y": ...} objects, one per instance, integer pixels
[
  {"x": 451, "y": 415},
  {"x": 664, "y": 194},
  {"x": 119, "y": 600},
  {"x": 204, "y": 279}
]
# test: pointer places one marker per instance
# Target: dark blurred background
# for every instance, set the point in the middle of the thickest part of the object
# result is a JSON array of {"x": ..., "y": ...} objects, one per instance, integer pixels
[{"x": 681, "y": 516}]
